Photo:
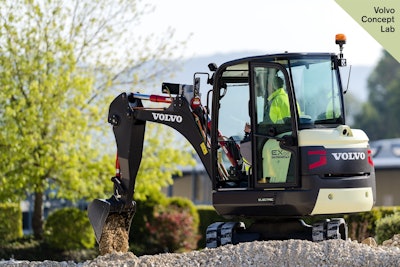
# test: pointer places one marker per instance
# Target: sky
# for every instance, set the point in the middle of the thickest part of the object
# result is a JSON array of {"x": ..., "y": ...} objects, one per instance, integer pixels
[{"x": 262, "y": 26}]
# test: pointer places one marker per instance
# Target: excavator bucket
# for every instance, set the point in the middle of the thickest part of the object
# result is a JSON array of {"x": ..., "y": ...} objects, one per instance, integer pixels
[
  {"x": 98, "y": 212},
  {"x": 111, "y": 221}
]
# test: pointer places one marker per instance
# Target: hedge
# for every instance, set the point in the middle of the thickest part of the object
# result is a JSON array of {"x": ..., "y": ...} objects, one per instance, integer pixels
[
  {"x": 69, "y": 229},
  {"x": 387, "y": 227},
  {"x": 11, "y": 222}
]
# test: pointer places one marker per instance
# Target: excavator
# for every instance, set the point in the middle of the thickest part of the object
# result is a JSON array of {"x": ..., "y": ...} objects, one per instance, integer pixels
[{"x": 288, "y": 166}]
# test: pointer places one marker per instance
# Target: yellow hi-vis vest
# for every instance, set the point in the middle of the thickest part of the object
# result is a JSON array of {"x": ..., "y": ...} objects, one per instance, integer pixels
[{"x": 278, "y": 106}]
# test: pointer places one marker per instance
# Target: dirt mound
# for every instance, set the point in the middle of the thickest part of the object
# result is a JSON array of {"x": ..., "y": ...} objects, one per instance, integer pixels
[
  {"x": 115, "y": 237},
  {"x": 258, "y": 253}
]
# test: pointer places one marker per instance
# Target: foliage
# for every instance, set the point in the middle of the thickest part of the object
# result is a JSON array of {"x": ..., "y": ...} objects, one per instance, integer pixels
[
  {"x": 173, "y": 229},
  {"x": 185, "y": 204},
  {"x": 11, "y": 222},
  {"x": 68, "y": 229},
  {"x": 362, "y": 225},
  {"x": 139, "y": 234},
  {"x": 46, "y": 114},
  {"x": 28, "y": 248},
  {"x": 383, "y": 107},
  {"x": 387, "y": 227},
  {"x": 59, "y": 61},
  {"x": 148, "y": 237}
]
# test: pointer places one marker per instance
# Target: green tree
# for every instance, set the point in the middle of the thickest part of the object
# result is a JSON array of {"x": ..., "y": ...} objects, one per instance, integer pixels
[
  {"x": 59, "y": 61},
  {"x": 379, "y": 116}
]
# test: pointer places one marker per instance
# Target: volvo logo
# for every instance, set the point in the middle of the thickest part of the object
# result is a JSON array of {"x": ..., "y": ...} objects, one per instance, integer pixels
[
  {"x": 167, "y": 117},
  {"x": 320, "y": 158},
  {"x": 349, "y": 156}
]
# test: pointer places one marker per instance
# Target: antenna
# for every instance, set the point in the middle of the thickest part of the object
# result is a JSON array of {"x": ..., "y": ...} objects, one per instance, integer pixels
[{"x": 348, "y": 81}]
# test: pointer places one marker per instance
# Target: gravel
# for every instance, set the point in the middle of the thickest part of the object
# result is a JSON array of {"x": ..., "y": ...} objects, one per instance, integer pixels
[{"x": 260, "y": 253}]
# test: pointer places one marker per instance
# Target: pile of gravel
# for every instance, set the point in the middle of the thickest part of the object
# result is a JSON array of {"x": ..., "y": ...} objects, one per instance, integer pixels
[{"x": 261, "y": 253}]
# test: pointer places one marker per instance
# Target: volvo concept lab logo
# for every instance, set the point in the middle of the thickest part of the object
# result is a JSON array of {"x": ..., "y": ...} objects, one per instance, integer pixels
[{"x": 167, "y": 117}]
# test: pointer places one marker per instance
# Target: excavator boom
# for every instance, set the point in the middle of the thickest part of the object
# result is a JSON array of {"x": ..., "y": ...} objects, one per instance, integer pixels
[{"x": 128, "y": 118}]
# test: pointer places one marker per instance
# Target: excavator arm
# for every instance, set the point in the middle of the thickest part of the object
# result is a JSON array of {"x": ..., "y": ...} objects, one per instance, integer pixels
[{"x": 128, "y": 117}]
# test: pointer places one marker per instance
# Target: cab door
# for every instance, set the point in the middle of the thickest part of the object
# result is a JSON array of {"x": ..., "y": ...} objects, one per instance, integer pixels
[{"x": 274, "y": 115}]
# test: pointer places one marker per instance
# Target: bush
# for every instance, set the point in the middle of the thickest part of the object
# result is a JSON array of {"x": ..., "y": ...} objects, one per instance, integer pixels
[
  {"x": 144, "y": 238},
  {"x": 185, "y": 204},
  {"x": 28, "y": 248},
  {"x": 362, "y": 225},
  {"x": 69, "y": 229},
  {"x": 170, "y": 225},
  {"x": 173, "y": 229},
  {"x": 11, "y": 222},
  {"x": 139, "y": 242},
  {"x": 387, "y": 227}
]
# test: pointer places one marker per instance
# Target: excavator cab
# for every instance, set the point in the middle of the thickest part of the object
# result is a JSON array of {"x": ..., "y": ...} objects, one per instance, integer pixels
[
  {"x": 297, "y": 145},
  {"x": 273, "y": 141},
  {"x": 278, "y": 96}
]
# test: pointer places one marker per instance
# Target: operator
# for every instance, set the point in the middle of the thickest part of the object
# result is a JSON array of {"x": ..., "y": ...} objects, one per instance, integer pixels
[
  {"x": 278, "y": 102},
  {"x": 277, "y": 108},
  {"x": 333, "y": 108}
]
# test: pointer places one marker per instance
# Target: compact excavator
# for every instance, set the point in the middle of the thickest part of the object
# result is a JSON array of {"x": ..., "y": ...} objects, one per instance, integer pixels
[{"x": 279, "y": 172}]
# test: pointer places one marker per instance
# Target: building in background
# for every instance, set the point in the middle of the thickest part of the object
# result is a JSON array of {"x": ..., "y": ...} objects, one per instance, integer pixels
[
  {"x": 386, "y": 156},
  {"x": 194, "y": 184}
]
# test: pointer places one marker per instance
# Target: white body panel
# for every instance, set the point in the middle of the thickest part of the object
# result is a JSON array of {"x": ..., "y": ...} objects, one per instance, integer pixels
[
  {"x": 343, "y": 200},
  {"x": 339, "y": 137}
]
